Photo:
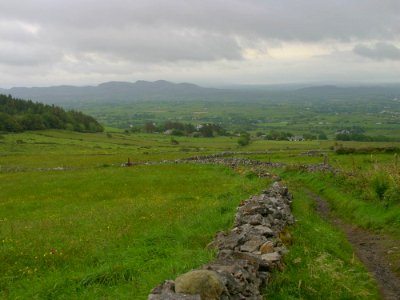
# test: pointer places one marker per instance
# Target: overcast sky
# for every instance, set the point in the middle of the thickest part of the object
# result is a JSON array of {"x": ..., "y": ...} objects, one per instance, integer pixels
[{"x": 209, "y": 42}]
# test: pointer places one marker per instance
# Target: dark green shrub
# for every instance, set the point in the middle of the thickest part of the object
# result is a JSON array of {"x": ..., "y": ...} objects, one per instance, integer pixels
[
  {"x": 380, "y": 184},
  {"x": 244, "y": 139}
]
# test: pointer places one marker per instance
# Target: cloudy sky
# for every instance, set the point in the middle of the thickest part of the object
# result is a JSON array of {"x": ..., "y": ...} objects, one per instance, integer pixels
[{"x": 209, "y": 42}]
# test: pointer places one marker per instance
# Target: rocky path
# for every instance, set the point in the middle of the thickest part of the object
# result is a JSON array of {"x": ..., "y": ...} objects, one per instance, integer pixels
[{"x": 372, "y": 249}]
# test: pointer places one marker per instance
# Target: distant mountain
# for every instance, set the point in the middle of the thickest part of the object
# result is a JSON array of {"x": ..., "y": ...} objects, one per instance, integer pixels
[
  {"x": 118, "y": 92},
  {"x": 115, "y": 91}
]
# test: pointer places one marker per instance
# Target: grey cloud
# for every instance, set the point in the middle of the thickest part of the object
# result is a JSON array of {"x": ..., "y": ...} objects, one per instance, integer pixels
[
  {"x": 299, "y": 20},
  {"x": 14, "y": 54},
  {"x": 13, "y": 31},
  {"x": 302, "y": 20},
  {"x": 379, "y": 51},
  {"x": 152, "y": 44},
  {"x": 118, "y": 34}
]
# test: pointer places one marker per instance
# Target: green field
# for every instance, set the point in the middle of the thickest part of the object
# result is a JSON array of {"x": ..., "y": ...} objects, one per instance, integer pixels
[
  {"x": 97, "y": 231},
  {"x": 75, "y": 224},
  {"x": 298, "y": 115}
]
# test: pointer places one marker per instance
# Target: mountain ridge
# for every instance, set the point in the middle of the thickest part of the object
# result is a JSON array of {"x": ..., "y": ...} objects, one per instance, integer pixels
[
  {"x": 114, "y": 92},
  {"x": 111, "y": 91}
]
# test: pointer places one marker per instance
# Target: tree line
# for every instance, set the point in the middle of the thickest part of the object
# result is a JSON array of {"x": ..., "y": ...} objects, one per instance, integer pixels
[
  {"x": 19, "y": 115},
  {"x": 182, "y": 129}
]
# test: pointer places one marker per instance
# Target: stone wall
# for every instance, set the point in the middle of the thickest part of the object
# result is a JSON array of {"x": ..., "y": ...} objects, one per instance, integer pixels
[
  {"x": 236, "y": 162},
  {"x": 246, "y": 255}
]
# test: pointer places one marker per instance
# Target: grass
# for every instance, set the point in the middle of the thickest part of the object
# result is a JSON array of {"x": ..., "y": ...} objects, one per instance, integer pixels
[
  {"x": 111, "y": 232},
  {"x": 346, "y": 201},
  {"x": 321, "y": 263},
  {"x": 96, "y": 230}
]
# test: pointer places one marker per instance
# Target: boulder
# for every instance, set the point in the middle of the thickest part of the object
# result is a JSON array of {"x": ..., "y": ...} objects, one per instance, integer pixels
[{"x": 205, "y": 283}]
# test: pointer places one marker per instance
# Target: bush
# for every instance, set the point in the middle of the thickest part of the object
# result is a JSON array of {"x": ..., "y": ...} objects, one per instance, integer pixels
[
  {"x": 244, "y": 139},
  {"x": 177, "y": 132},
  {"x": 380, "y": 184},
  {"x": 322, "y": 136}
]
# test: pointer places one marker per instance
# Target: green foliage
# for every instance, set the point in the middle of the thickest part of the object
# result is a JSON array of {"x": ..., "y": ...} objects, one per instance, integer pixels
[
  {"x": 259, "y": 133},
  {"x": 19, "y": 115},
  {"x": 380, "y": 185},
  {"x": 278, "y": 135},
  {"x": 322, "y": 136},
  {"x": 362, "y": 137},
  {"x": 244, "y": 139},
  {"x": 149, "y": 127},
  {"x": 184, "y": 129}
]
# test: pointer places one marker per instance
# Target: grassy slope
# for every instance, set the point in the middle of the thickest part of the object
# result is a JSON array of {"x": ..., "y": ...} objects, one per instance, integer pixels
[
  {"x": 99, "y": 230},
  {"x": 97, "y": 215},
  {"x": 111, "y": 232}
]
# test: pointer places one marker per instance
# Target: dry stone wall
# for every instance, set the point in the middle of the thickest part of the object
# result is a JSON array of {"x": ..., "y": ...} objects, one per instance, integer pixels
[
  {"x": 246, "y": 255},
  {"x": 236, "y": 162}
]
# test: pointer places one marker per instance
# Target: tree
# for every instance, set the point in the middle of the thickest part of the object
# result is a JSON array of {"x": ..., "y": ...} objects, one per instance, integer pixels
[
  {"x": 322, "y": 136},
  {"x": 244, "y": 139},
  {"x": 149, "y": 127},
  {"x": 206, "y": 130}
]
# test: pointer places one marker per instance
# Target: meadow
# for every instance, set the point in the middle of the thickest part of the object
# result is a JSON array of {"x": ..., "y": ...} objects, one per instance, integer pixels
[
  {"x": 95, "y": 230},
  {"x": 75, "y": 224}
]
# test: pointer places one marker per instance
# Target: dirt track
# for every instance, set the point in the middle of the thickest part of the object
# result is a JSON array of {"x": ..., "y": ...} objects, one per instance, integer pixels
[{"x": 372, "y": 249}]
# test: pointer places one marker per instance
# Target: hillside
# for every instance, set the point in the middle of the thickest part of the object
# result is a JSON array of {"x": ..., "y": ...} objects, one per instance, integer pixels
[{"x": 19, "y": 115}]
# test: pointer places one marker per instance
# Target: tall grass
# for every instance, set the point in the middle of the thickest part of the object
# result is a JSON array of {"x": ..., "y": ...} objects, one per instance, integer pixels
[{"x": 352, "y": 199}]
